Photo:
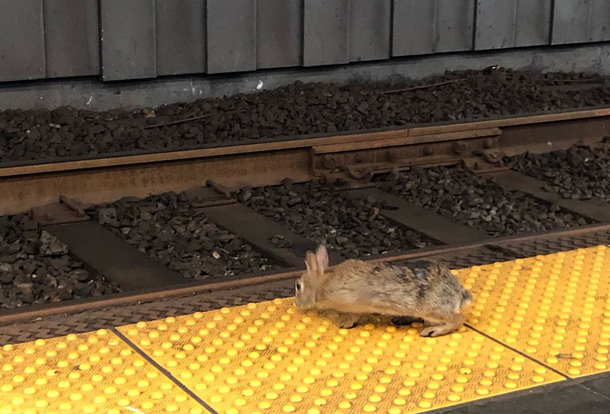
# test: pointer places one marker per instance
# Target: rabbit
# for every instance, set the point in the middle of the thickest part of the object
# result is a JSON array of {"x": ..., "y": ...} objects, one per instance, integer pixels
[{"x": 421, "y": 290}]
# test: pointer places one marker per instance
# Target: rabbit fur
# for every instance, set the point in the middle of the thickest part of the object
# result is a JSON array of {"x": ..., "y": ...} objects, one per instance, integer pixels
[{"x": 420, "y": 290}]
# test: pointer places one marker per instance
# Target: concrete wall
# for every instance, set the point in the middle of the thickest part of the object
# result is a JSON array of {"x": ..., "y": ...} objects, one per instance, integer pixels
[{"x": 93, "y": 94}]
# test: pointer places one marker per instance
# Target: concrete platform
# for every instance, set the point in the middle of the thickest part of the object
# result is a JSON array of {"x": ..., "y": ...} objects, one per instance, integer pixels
[{"x": 537, "y": 340}]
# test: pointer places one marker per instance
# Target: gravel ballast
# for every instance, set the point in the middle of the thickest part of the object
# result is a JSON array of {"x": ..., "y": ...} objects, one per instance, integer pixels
[
  {"x": 291, "y": 111},
  {"x": 580, "y": 172},
  {"x": 354, "y": 228},
  {"x": 170, "y": 230},
  {"x": 36, "y": 268},
  {"x": 477, "y": 202}
]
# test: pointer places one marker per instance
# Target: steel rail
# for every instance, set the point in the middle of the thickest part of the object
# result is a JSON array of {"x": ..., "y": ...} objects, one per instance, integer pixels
[
  {"x": 109, "y": 178},
  {"x": 306, "y": 141}
]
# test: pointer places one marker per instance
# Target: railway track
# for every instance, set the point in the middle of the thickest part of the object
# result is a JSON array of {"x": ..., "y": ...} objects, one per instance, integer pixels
[
  {"x": 58, "y": 196},
  {"x": 97, "y": 180}
]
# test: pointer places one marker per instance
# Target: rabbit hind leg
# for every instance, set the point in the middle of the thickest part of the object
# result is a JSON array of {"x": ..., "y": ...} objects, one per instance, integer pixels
[{"x": 438, "y": 327}]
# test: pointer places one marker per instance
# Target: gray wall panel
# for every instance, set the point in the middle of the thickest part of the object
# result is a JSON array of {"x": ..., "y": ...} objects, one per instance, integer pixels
[
  {"x": 600, "y": 20},
  {"x": 413, "y": 23},
  {"x": 21, "y": 40},
  {"x": 128, "y": 39},
  {"x": 533, "y": 22},
  {"x": 454, "y": 25},
  {"x": 571, "y": 20},
  {"x": 279, "y": 27},
  {"x": 231, "y": 35},
  {"x": 72, "y": 41},
  {"x": 326, "y": 32},
  {"x": 495, "y": 27},
  {"x": 432, "y": 26},
  {"x": 180, "y": 36},
  {"x": 512, "y": 23},
  {"x": 370, "y": 25},
  {"x": 141, "y": 39}
]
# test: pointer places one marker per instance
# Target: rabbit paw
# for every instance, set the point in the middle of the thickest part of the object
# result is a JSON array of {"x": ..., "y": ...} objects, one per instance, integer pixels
[
  {"x": 439, "y": 330},
  {"x": 348, "y": 321},
  {"x": 431, "y": 331}
]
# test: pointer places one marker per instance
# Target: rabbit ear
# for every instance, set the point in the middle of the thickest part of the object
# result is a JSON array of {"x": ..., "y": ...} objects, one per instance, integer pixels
[
  {"x": 322, "y": 257},
  {"x": 312, "y": 264}
]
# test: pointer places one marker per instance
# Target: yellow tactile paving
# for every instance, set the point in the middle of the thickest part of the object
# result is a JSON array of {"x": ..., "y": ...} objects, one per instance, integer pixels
[
  {"x": 555, "y": 308},
  {"x": 88, "y": 373},
  {"x": 267, "y": 358}
]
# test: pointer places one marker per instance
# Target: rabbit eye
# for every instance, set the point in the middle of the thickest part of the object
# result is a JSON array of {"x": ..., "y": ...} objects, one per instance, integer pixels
[{"x": 298, "y": 285}]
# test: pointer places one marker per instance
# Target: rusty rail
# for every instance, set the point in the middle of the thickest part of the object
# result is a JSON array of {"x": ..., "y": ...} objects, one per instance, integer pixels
[{"x": 107, "y": 179}]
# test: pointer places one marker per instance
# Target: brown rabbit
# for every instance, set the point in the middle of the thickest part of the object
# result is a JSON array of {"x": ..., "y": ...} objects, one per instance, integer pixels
[{"x": 420, "y": 290}]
